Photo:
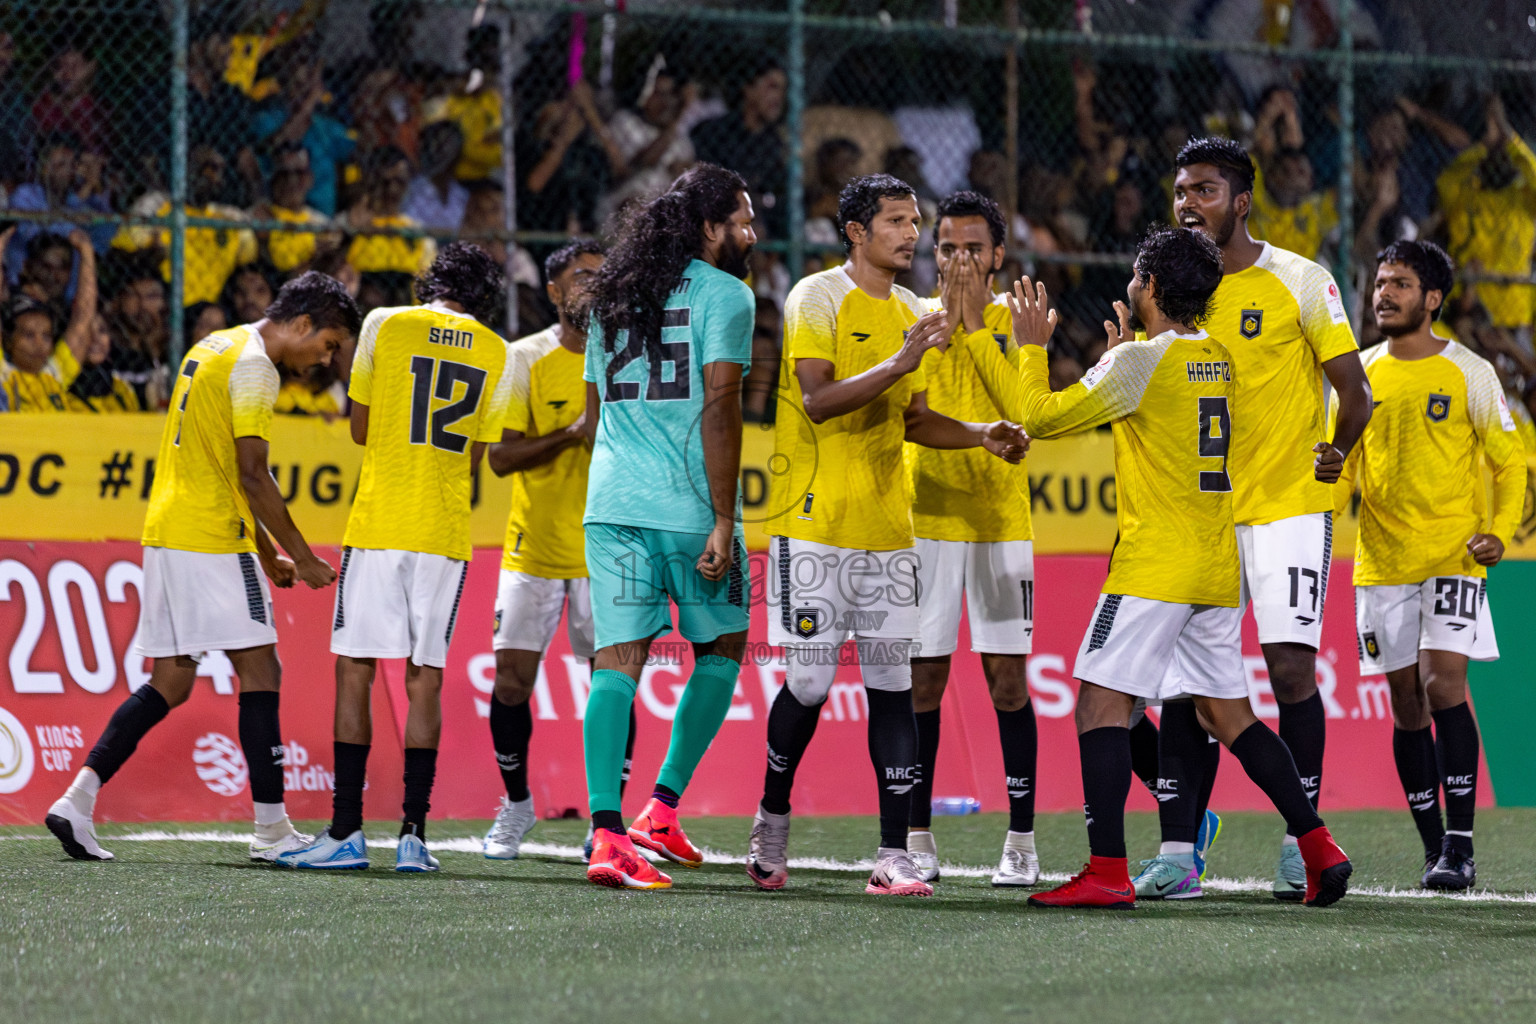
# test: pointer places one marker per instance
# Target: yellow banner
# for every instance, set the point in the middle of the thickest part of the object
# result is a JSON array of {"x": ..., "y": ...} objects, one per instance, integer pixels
[{"x": 83, "y": 477}]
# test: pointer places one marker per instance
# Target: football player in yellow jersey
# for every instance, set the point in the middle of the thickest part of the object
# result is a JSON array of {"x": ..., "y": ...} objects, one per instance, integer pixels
[
  {"x": 1424, "y": 548},
  {"x": 1282, "y": 319},
  {"x": 970, "y": 515},
  {"x": 428, "y": 393},
  {"x": 543, "y": 564},
  {"x": 1169, "y": 622},
  {"x": 210, "y": 509},
  {"x": 842, "y": 542}
]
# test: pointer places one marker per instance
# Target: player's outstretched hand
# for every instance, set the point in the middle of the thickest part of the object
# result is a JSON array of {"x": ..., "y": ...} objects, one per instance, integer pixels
[
  {"x": 1034, "y": 321},
  {"x": 715, "y": 562},
  {"x": 315, "y": 572},
  {"x": 1007, "y": 441},
  {"x": 1121, "y": 332},
  {"x": 279, "y": 569},
  {"x": 1485, "y": 548},
  {"x": 932, "y": 328},
  {"x": 1328, "y": 464}
]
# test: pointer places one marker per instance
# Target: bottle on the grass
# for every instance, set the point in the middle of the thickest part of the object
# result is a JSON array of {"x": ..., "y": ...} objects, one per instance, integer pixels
[{"x": 956, "y": 805}]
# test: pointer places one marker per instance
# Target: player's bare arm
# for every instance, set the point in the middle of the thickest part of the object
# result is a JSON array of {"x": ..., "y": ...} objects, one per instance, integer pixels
[
  {"x": 593, "y": 413},
  {"x": 935, "y": 430},
  {"x": 826, "y": 397},
  {"x": 721, "y": 426},
  {"x": 358, "y": 421},
  {"x": 272, "y": 512},
  {"x": 1347, "y": 377},
  {"x": 1486, "y": 549},
  {"x": 277, "y": 566},
  {"x": 517, "y": 451}
]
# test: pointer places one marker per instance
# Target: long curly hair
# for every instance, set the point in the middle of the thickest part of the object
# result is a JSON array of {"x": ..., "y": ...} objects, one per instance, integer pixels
[{"x": 656, "y": 242}]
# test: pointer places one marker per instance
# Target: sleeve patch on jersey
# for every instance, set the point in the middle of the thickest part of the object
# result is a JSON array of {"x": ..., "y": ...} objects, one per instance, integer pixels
[
  {"x": 1252, "y": 324},
  {"x": 1439, "y": 408},
  {"x": 1505, "y": 419},
  {"x": 1335, "y": 303},
  {"x": 1100, "y": 370}
]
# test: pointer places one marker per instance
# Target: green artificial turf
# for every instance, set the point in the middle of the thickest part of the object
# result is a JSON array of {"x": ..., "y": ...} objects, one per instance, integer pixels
[{"x": 191, "y": 931}]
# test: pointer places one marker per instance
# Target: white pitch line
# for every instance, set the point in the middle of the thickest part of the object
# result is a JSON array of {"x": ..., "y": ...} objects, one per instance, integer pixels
[{"x": 471, "y": 845}]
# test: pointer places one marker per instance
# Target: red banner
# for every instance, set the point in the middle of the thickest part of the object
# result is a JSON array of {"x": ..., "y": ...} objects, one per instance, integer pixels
[{"x": 68, "y": 614}]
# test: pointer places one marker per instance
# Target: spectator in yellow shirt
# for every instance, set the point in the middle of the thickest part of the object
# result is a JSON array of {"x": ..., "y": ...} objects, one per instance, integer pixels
[
  {"x": 290, "y": 251},
  {"x": 386, "y": 177},
  {"x": 1488, "y": 200},
  {"x": 96, "y": 387},
  {"x": 1286, "y": 212},
  {"x": 212, "y": 253},
  {"x": 476, "y": 106},
  {"x": 37, "y": 370}
]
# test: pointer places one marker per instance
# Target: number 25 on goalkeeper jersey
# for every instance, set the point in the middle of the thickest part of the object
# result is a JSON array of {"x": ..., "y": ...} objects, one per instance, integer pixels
[
  {"x": 434, "y": 384},
  {"x": 1169, "y": 402}
]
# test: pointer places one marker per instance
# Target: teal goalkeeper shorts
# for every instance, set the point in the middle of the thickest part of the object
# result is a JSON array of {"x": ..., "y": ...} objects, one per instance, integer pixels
[{"x": 635, "y": 573}]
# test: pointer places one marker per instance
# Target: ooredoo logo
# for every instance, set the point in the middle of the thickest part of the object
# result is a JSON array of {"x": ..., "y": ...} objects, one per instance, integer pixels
[
  {"x": 220, "y": 764},
  {"x": 15, "y": 753}
]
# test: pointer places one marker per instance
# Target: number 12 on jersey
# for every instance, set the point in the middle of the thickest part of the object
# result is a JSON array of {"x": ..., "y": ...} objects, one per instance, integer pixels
[{"x": 435, "y": 378}]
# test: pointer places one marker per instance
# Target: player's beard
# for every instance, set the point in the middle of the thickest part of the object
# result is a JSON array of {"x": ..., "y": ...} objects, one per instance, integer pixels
[
  {"x": 1222, "y": 233},
  {"x": 1411, "y": 319},
  {"x": 735, "y": 259},
  {"x": 1136, "y": 322}
]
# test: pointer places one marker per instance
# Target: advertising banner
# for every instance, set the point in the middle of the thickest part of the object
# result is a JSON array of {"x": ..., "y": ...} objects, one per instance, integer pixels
[{"x": 68, "y": 613}]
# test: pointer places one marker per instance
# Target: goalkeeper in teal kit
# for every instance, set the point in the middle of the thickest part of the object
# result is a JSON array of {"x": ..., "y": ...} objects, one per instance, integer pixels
[{"x": 669, "y": 338}]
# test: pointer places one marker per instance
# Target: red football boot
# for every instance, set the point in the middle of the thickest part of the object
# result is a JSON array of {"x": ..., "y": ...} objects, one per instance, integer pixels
[
  {"x": 1103, "y": 882},
  {"x": 1328, "y": 868},
  {"x": 617, "y": 864},
  {"x": 657, "y": 829}
]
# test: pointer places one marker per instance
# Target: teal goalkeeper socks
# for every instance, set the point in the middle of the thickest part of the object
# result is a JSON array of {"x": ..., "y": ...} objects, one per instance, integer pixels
[
  {"x": 604, "y": 732},
  {"x": 700, "y": 713}
]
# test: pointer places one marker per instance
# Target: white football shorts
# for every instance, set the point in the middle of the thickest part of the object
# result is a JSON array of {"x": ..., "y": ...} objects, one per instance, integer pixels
[
  {"x": 193, "y": 602},
  {"x": 996, "y": 581},
  {"x": 1444, "y": 613},
  {"x": 1158, "y": 650},
  {"x": 528, "y": 613},
  {"x": 396, "y": 604},
  {"x": 820, "y": 595},
  {"x": 1285, "y": 574}
]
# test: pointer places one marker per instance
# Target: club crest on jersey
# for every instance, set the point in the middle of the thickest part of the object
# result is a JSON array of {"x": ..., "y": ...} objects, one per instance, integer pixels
[
  {"x": 1371, "y": 646},
  {"x": 807, "y": 622},
  {"x": 1439, "y": 408},
  {"x": 1252, "y": 324}
]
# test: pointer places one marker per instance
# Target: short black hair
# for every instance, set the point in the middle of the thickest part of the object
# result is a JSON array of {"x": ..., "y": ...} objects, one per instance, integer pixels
[
  {"x": 1231, "y": 159},
  {"x": 320, "y": 297},
  {"x": 1187, "y": 266},
  {"x": 973, "y": 204},
  {"x": 1433, "y": 265},
  {"x": 859, "y": 201},
  {"x": 45, "y": 240},
  {"x": 556, "y": 262},
  {"x": 20, "y": 306},
  {"x": 465, "y": 273}
]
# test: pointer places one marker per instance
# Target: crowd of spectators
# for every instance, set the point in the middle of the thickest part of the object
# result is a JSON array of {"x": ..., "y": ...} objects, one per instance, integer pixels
[{"x": 361, "y": 167}]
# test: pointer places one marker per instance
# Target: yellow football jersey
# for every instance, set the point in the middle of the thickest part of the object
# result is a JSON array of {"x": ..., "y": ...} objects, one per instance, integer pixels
[
  {"x": 1280, "y": 320},
  {"x": 844, "y": 482},
  {"x": 225, "y": 390},
  {"x": 44, "y": 391},
  {"x": 212, "y": 253},
  {"x": 1494, "y": 227},
  {"x": 1169, "y": 401},
  {"x": 1300, "y": 229},
  {"x": 968, "y": 493},
  {"x": 544, "y": 532},
  {"x": 371, "y": 253},
  {"x": 288, "y": 249},
  {"x": 434, "y": 384},
  {"x": 1418, "y": 466}
]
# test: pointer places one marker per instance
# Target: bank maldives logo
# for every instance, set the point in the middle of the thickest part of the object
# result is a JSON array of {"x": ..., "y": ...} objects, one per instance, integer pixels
[
  {"x": 220, "y": 764},
  {"x": 15, "y": 754}
]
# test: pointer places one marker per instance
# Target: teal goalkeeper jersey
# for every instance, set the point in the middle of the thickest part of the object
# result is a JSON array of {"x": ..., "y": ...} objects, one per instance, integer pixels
[{"x": 648, "y": 459}]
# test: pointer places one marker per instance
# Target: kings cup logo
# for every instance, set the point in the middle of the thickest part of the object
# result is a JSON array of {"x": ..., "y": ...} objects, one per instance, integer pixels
[
  {"x": 16, "y": 758},
  {"x": 220, "y": 764}
]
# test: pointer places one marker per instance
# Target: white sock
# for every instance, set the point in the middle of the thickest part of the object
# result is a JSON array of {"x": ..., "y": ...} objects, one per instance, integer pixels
[
  {"x": 1020, "y": 841},
  {"x": 269, "y": 814},
  {"x": 1177, "y": 848},
  {"x": 1289, "y": 840},
  {"x": 1450, "y": 833},
  {"x": 82, "y": 792}
]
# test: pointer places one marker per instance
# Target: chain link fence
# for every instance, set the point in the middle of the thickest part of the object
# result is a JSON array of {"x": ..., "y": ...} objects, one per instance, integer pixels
[{"x": 211, "y": 148}]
